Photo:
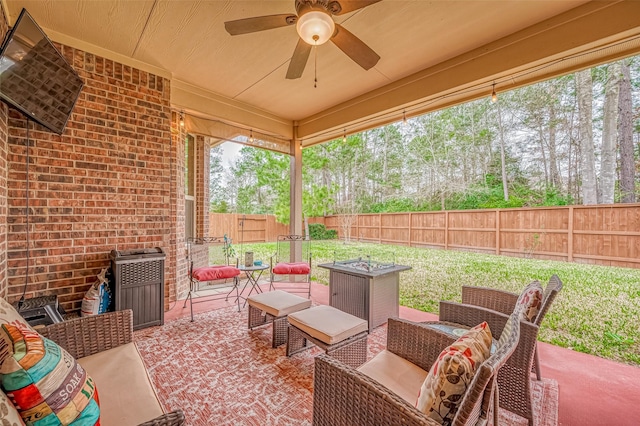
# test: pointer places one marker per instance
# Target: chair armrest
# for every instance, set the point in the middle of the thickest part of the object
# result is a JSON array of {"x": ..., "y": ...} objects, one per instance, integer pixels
[
  {"x": 174, "y": 418},
  {"x": 490, "y": 298},
  {"x": 416, "y": 342},
  {"x": 470, "y": 316},
  {"x": 345, "y": 396},
  {"x": 86, "y": 336}
]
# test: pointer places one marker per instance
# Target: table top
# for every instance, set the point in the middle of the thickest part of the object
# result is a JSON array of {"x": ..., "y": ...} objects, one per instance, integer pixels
[{"x": 254, "y": 267}]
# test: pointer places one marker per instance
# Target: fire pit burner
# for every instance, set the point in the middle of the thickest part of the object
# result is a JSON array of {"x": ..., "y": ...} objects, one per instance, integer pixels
[{"x": 364, "y": 264}]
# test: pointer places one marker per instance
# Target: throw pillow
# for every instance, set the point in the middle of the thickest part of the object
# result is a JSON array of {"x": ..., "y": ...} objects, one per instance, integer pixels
[
  {"x": 8, "y": 314},
  {"x": 530, "y": 301},
  {"x": 449, "y": 377},
  {"x": 45, "y": 383}
]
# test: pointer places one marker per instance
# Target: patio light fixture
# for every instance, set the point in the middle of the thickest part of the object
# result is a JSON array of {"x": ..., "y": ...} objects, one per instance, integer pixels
[
  {"x": 315, "y": 27},
  {"x": 251, "y": 136},
  {"x": 494, "y": 95},
  {"x": 344, "y": 136},
  {"x": 181, "y": 119}
]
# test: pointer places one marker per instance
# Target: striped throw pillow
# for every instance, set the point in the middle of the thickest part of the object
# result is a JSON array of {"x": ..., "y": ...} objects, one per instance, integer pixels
[{"x": 45, "y": 383}]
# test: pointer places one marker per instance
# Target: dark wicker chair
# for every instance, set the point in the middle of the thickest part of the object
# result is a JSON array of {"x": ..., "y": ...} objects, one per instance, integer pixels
[
  {"x": 344, "y": 396},
  {"x": 89, "y": 335},
  {"x": 491, "y": 305}
]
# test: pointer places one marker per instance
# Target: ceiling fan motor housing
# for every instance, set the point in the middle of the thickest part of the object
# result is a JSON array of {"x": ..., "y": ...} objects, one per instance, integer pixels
[{"x": 315, "y": 24}]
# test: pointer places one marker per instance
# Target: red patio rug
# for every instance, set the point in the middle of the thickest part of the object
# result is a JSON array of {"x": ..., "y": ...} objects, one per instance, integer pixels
[{"x": 219, "y": 373}]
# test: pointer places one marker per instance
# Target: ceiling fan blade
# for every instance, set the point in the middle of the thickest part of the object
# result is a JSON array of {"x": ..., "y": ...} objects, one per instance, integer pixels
[
  {"x": 354, "y": 48},
  {"x": 259, "y": 23},
  {"x": 347, "y": 6},
  {"x": 298, "y": 60}
]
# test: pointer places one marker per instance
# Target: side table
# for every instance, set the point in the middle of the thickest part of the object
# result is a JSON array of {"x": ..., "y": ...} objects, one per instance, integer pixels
[{"x": 253, "y": 273}]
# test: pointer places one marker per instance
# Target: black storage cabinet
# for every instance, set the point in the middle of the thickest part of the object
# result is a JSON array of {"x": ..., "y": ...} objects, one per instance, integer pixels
[{"x": 139, "y": 284}]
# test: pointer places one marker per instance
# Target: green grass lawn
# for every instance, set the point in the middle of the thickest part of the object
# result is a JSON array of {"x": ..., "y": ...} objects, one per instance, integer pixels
[{"x": 596, "y": 312}]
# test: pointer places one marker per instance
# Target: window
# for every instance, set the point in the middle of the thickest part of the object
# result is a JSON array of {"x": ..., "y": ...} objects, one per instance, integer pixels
[{"x": 189, "y": 187}]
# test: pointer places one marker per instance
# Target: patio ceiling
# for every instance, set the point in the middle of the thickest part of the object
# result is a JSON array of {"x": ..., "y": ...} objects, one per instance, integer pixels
[{"x": 433, "y": 54}]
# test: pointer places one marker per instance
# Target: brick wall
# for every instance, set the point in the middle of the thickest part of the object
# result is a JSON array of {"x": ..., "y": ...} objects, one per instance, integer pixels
[
  {"x": 105, "y": 184},
  {"x": 3, "y": 179}
]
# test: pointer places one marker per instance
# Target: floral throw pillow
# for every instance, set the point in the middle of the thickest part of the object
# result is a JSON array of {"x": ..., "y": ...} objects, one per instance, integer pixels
[
  {"x": 451, "y": 374},
  {"x": 530, "y": 301},
  {"x": 8, "y": 414}
]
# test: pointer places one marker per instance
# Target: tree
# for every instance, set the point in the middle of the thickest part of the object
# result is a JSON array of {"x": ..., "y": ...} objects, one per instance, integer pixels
[
  {"x": 503, "y": 166},
  {"x": 217, "y": 184},
  {"x": 609, "y": 130},
  {"x": 584, "y": 86},
  {"x": 625, "y": 136}
]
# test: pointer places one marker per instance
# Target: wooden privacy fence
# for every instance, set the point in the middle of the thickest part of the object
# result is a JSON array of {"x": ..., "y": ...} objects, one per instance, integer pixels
[
  {"x": 249, "y": 228},
  {"x": 602, "y": 234}
]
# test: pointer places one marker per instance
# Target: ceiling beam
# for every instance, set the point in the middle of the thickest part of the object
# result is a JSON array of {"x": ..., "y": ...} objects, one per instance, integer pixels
[{"x": 204, "y": 104}]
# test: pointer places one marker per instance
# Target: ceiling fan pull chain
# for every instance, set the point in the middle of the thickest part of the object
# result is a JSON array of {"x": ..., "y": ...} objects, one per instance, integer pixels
[{"x": 315, "y": 65}]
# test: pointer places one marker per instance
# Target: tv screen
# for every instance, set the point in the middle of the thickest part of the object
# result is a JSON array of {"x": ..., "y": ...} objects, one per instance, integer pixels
[{"x": 35, "y": 78}]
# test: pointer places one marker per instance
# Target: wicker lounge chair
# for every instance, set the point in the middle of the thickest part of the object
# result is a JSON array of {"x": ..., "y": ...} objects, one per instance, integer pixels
[
  {"x": 86, "y": 336},
  {"x": 344, "y": 396},
  {"x": 491, "y": 305}
]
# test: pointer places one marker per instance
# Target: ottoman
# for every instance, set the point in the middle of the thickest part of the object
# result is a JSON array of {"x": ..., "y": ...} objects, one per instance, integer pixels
[
  {"x": 273, "y": 307},
  {"x": 342, "y": 335}
]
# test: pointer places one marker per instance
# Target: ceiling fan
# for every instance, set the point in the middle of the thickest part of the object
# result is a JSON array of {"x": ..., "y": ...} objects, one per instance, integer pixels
[{"x": 315, "y": 26}]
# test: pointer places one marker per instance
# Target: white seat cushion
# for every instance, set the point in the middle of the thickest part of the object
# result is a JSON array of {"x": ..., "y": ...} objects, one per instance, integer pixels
[
  {"x": 328, "y": 324},
  {"x": 396, "y": 374},
  {"x": 278, "y": 303},
  {"x": 125, "y": 391}
]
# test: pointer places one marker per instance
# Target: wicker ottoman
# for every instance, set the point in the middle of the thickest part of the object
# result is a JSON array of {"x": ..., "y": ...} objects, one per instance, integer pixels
[
  {"x": 273, "y": 307},
  {"x": 342, "y": 335}
]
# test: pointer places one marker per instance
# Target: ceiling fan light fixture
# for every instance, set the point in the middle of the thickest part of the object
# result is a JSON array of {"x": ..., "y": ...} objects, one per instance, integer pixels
[{"x": 315, "y": 27}]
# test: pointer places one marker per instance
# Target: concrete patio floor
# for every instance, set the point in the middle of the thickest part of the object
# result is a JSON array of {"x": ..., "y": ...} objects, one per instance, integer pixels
[{"x": 592, "y": 390}]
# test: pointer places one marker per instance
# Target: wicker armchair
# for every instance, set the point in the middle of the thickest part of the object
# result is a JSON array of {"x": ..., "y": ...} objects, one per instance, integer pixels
[
  {"x": 86, "y": 336},
  {"x": 344, "y": 396},
  {"x": 504, "y": 301},
  {"x": 491, "y": 305}
]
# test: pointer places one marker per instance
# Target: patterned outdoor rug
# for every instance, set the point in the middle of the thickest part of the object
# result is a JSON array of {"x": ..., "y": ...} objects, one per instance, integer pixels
[{"x": 219, "y": 373}]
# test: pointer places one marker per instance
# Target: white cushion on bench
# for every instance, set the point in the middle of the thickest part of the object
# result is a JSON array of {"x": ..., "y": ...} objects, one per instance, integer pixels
[
  {"x": 328, "y": 324},
  {"x": 396, "y": 374},
  {"x": 278, "y": 303},
  {"x": 125, "y": 391}
]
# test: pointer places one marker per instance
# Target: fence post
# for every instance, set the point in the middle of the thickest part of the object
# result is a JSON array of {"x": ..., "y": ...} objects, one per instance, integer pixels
[
  {"x": 498, "y": 231},
  {"x": 446, "y": 230},
  {"x": 380, "y": 228},
  {"x": 570, "y": 236},
  {"x": 410, "y": 230}
]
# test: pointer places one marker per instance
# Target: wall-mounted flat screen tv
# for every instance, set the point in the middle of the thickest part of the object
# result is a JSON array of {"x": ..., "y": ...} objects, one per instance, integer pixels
[{"x": 35, "y": 78}]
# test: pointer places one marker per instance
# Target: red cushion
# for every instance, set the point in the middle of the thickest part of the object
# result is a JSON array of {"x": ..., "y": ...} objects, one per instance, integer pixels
[
  {"x": 210, "y": 273},
  {"x": 291, "y": 268}
]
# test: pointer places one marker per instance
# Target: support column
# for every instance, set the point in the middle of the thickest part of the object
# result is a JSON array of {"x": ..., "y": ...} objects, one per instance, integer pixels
[{"x": 295, "y": 211}]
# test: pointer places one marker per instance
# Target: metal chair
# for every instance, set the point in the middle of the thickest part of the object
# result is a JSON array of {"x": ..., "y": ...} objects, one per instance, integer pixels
[
  {"x": 209, "y": 262},
  {"x": 288, "y": 248},
  {"x": 494, "y": 306}
]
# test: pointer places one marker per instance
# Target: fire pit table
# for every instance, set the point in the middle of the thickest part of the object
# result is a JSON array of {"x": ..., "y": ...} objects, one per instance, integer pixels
[{"x": 365, "y": 289}]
